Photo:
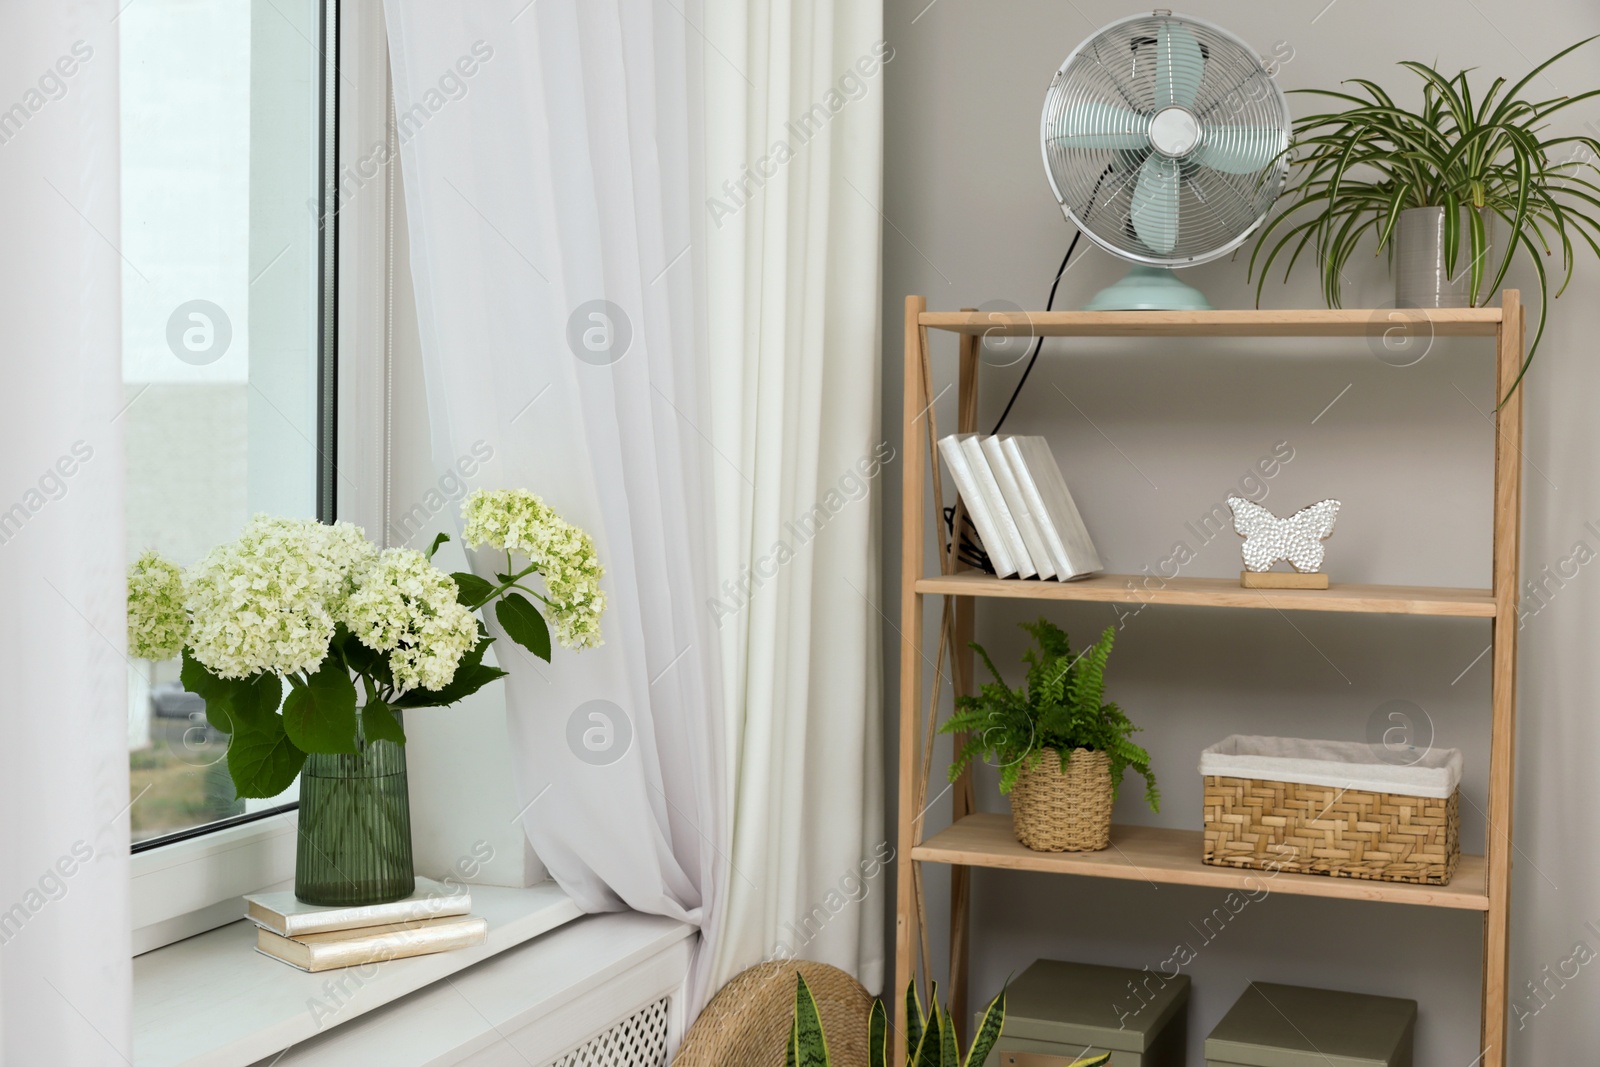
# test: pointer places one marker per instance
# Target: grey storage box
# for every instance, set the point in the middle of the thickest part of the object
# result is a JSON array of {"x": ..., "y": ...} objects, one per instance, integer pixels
[
  {"x": 1057, "y": 1013},
  {"x": 1292, "y": 1026}
]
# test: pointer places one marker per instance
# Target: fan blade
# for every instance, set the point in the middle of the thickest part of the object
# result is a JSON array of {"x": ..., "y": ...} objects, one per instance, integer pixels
[
  {"x": 1155, "y": 204},
  {"x": 1179, "y": 66},
  {"x": 1240, "y": 149},
  {"x": 1092, "y": 125}
]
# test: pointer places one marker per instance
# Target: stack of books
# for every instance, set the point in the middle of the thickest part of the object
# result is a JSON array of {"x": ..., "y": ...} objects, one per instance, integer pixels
[
  {"x": 436, "y": 918},
  {"x": 1019, "y": 505}
]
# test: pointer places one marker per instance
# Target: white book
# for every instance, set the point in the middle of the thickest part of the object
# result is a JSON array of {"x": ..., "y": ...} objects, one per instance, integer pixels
[
  {"x": 288, "y": 917},
  {"x": 999, "y": 510},
  {"x": 1055, "y": 548},
  {"x": 375, "y": 944},
  {"x": 1022, "y": 510},
  {"x": 971, "y": 495},
  {"x": 1061, "y": 512}
]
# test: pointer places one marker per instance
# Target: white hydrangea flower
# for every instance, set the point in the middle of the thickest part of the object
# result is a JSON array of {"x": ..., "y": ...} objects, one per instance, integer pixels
[
  {"x": 518, "y": 521},
  {"x": 269, "y": 600},
  {"x": 407, "y": 607},
  {"x": 158, "y": 626}
]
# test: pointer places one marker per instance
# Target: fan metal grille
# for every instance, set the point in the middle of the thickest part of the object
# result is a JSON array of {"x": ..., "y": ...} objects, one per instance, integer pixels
[{"x": 1114, "y": 84}]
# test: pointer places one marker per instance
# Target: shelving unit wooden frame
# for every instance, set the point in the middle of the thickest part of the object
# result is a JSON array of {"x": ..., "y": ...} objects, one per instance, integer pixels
[{"x": 1482, "y": 883}]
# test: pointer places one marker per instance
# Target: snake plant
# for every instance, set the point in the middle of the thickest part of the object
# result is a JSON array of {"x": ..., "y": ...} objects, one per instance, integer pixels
[
  {"x": 930, "y": 1039},
  {"x": 1358, "y": 168}
]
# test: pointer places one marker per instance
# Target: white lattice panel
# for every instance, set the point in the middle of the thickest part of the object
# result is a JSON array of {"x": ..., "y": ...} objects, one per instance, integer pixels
[{"x": 640, "y": 1040}]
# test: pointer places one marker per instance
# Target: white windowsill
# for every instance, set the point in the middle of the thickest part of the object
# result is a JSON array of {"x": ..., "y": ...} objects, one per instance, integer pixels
[
  {"x": 213, "y": 1001},
  {"x": 527, "y": 1007}
]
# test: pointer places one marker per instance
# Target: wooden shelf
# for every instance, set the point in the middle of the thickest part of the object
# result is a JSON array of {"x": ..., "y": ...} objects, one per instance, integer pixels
[
  {"x": 1172, "y": 857},
  {"x": 1316, "y": 322},
  {"x": 1159, "y": 856},
  {"x": 1223, "y": 593}
]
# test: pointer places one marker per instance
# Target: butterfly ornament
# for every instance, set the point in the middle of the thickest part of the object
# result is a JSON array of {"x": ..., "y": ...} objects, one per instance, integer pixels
[{"x": 1298, "y": 539}]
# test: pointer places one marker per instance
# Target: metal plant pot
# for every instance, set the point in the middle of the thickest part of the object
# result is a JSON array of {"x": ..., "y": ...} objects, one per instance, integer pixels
[{"x": 1422, "y": 275}]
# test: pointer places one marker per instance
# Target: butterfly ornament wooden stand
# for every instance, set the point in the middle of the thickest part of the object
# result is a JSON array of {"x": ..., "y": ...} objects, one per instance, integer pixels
[{"x": 1297, "y": 539}]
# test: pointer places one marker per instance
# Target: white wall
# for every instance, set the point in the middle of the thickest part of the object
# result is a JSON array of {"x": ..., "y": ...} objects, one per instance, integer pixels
[{"x": 1175, "y": 425}]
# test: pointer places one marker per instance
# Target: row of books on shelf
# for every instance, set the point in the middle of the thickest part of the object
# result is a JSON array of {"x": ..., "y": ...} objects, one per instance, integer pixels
[
  {"x": 1020, "y": 506},
  {"x": 435, "y": 918}
]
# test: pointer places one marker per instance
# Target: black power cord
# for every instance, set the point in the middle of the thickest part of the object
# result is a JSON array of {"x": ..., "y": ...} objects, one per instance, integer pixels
[
  {"x": 1038, "y": 342},
  {"x": 968, "y": 549}
]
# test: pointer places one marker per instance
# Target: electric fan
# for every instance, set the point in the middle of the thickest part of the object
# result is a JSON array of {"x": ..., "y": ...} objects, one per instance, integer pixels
[{"x": 1164, "y": 140}]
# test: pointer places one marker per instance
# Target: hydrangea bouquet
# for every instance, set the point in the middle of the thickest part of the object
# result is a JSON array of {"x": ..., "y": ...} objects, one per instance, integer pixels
[{"x": 357, "y": 633}]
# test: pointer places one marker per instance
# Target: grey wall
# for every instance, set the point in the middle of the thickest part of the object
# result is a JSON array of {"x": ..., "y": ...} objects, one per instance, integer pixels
[{"x": 1151, "y": 434}]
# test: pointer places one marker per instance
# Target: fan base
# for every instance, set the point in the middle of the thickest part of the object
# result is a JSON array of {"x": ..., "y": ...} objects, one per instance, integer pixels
[{"x": 1146, "y": 288}]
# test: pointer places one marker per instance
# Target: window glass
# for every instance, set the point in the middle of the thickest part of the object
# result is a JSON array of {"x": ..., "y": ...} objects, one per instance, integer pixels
[{"x": 221, "y": 134}]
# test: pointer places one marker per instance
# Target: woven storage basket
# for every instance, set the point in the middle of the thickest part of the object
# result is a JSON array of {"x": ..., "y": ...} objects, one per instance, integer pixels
[
  {"x": 1071, "y": 812},
  {"x": 747, "y": 1022},
  {"x": 1265, "y": 819}
]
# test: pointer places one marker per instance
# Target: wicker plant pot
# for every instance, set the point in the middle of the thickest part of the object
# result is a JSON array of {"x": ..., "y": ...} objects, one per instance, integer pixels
[{"x": 1071, "y": 812}]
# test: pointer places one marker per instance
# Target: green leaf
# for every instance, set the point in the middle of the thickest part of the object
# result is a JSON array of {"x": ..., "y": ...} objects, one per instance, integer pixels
[
  {"x": 878, "y": 1036},
  {"x": 262, "y": 760},
  {"x": 356, "y": 655},
  {"x": 255, "y": 701},
  {"x": 471, "y": 591},
  {"x": 1093, "y": 1061},
  {"x": 811, "y": 1045},
  {"x": 916, "y": 1022},
  {"x": 216, "y": 692},
  {"x": 949, "y": 1050},
  {"x": 470, "y": 677},
  {"x": 523, "y": 624},
  {"x": 363, "y": 660},
  {"x": 321, "y": 715},
  {"x": 994, "y": 1018},
  {"x": 791, "y": 1055},
  {"x": 930, "y": 1050},
  {"x": 380, "y": 723},
  {"x": 468, "y": 680},
  {"x": 438, "y": 540}
]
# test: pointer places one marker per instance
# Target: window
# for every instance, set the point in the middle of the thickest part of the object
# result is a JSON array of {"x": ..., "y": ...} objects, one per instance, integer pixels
[{"x": 228, "y": 306}]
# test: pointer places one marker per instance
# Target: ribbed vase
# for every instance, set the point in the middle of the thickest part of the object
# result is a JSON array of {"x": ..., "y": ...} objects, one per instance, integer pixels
[{"x": 355, "y": 828}]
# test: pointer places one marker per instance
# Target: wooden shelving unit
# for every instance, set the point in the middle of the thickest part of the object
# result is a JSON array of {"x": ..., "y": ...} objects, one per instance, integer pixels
[{"x": 1151, "y": 854}]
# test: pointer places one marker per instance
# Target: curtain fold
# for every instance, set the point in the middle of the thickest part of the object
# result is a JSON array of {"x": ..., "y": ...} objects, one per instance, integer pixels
[
  {"x": 793, "y": 255},
  {"x": 685, "y": 384},
  {"x": 65, "y": 971}
]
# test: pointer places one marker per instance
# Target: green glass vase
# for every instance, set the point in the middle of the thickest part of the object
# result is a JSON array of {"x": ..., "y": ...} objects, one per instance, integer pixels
[{"x": 354, "y": 843}]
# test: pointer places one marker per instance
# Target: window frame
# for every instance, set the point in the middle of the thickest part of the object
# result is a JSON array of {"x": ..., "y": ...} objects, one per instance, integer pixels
[{"x": 191, "y": 881}]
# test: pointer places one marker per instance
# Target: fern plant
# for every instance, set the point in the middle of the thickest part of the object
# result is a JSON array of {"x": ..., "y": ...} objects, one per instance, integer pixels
[
  {"x": 1060, "y": 706},
  {"x": 931, "y": 1039}
]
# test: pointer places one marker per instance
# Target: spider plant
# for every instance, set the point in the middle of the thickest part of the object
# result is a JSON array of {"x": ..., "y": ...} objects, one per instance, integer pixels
[{"x": 1357, "y": 169}]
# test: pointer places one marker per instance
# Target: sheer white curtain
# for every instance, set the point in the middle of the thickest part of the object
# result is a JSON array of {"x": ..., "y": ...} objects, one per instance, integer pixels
[
  {"x": 65, "y": 972},
  {"x": 794, "y": 148},
  {"x": 685, "y": 377}
]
